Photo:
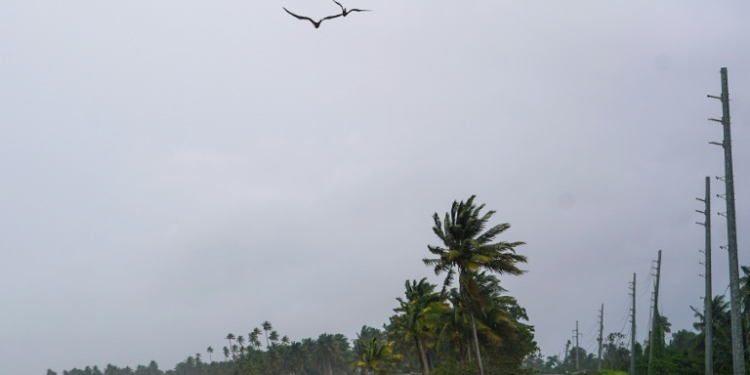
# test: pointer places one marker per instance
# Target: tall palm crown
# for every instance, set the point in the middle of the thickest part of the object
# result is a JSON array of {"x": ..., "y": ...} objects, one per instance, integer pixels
[
  {"x": 466, "y": 248},
  {"x": 274, "y": 337}
]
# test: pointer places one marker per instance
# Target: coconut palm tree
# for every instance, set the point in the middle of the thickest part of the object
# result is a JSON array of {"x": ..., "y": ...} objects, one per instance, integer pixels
[
  {"x": 745, "y": 290},
  {"x": 419, "y": 314},
  {"x": 229, "y": 338},
  {"x": 307, "y": 353},
  {"x": 722, "y": 333},
  {"x": 330, "y": 350},
  {"x": 467, "y": 249},
  {"x": 210, "y": 351},
  {"x": 378, "y": 357},
  {"x": 364, "y": 336},
  {"x": 455, "y": 329},
  {"x": 241, "y": 342},
  {"x": 496, "y": 323},
  {"x": 253, "y": 338},
  {"x": 267, "y": 327},
  {"x": 274, "y": 337}
]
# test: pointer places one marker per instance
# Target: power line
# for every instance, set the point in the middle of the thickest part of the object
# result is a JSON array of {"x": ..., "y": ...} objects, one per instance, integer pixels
[
  {"x": 592, "y": 329},
  {"x": 625, "y": 317}
]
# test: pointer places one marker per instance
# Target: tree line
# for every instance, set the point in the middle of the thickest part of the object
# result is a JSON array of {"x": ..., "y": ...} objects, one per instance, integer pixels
[{"x": 467, "y": 325}]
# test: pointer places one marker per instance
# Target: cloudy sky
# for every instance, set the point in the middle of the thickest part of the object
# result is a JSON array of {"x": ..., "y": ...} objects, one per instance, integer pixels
[{"x": 173, "y": 171}]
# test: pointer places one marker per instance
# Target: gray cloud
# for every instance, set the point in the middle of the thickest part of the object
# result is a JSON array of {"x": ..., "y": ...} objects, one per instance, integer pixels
[{"x": 175, "y": 171}]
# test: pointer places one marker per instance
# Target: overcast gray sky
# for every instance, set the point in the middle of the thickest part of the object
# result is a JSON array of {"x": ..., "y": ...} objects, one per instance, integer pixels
[{"x": 173, "y": 171}]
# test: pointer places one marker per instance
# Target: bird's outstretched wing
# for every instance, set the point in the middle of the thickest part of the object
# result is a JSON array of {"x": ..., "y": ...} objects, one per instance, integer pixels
[
  {"x": 299, "y": 17},
  {"x": 339, "y": 4}
]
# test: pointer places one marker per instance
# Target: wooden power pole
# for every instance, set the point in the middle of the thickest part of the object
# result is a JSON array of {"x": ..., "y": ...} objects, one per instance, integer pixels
[
  {"x": 578, "y": 350},
  {"x": 601, "y": 329},
  {"x": 632, "y": 330},
  {"x": 738, "y": 349},
  {"x": 708, "y": 298},
  {"x": 656, "y": 319}
]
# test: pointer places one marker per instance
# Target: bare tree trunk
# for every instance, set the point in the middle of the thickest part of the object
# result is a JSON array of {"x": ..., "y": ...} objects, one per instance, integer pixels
[{"x": 476, "y": 342}]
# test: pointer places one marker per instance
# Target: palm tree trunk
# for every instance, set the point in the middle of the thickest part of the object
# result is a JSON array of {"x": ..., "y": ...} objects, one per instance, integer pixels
[
  {"x": 476, "y": 342},
  {"x": 423, "y": 358},
  {"x": 419, "y": 353}
]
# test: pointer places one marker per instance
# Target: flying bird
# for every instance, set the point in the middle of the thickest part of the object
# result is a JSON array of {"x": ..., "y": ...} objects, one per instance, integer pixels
[
  {"x": 344, "y": 11},
  {"x": 316, "y": 24}
]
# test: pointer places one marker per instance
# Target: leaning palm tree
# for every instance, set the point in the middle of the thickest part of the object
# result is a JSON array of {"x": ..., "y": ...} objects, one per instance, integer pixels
[
  {"x": 241, "y": 342},
  {"x": 253, "y": 338},
  {"x": 229, "y": 338},
  {"x": 497, "y": 319},
  {"x": 267, "y": 327},
  {"x": 419, "y": 314},
  {"x": 467, "y": 249}
]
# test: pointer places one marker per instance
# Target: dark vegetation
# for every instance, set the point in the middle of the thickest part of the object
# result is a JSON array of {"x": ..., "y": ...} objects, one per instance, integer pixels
[{"x": 468, "y": 325}]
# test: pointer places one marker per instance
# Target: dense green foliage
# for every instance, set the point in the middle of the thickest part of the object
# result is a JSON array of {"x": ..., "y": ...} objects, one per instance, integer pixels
[{"x": 470, "y": 328}]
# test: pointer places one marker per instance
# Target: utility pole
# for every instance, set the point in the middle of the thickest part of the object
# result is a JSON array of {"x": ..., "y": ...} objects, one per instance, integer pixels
[
  {"x": 577, "y": 347},
  {"x": 601, "y": 329},
  {"x": 708, "y": 298},
  {"x": 632, "y": 330},
  {"x": 738, "y": 359},
  {"x": 656, "y": 320}
]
